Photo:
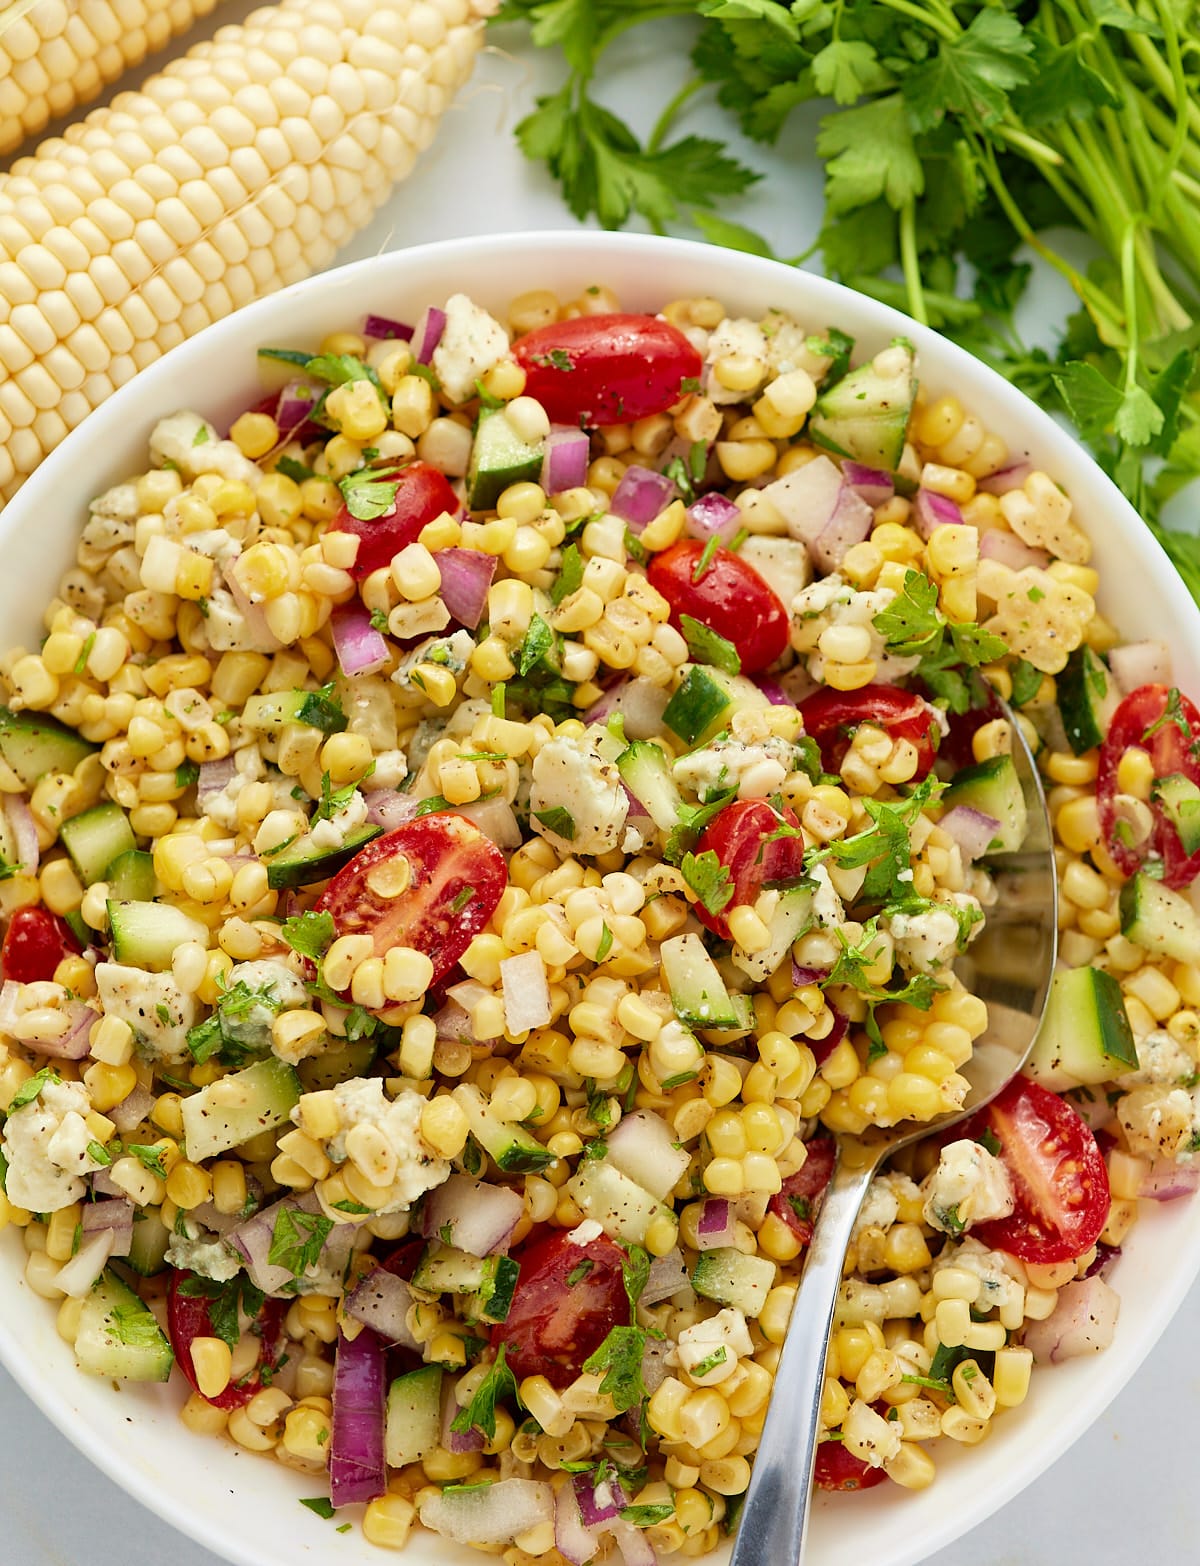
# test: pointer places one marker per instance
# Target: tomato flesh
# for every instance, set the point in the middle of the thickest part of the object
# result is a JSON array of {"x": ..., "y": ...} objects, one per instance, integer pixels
[
  {"x": 837, "y": 1469},
  {"x": 736, "y": 835},
  {"x": 456, "y": 877},
  {"x": 798, "y": 1201},
  {"x": 1172, "y": 751},
  {"x": 1058, "y": 1175},
  {"x": 607, "y": 369},
  {"x": 422, "y": 493},
  {"x": 563, "y": 1308},
  {"x": 35, "y": 943},
  {"x": 188, "y": 1318},
  {"x": 831, "y": 718},
  {"x": 730, "y": 598}
]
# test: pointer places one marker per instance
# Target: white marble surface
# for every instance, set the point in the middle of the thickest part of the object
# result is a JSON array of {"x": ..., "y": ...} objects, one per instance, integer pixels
[{"x": 1123, "y": 1490}]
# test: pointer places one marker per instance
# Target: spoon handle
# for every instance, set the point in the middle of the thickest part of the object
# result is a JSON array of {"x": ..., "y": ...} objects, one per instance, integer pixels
[{"x": 775, "y": 1515}]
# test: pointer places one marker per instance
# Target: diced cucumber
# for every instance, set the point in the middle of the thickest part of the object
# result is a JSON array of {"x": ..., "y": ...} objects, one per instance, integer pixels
[
  {"x": 148, "y": 1247},
  {"x": 622, "y": 1208},
  {"x": 145, "y": 935},
  {"x": 646, "y": 773},
  {"x": 33, "y": 744},
  {"x": 993, "y": 788},
  {"x": 414, "y": 1416},
  {"x": 1162, "y": 921},
  {"x": 731, "y": 1278},
  {"x": 864, "y": 416},
  {"x": 97, "y": 837},
  {"x": 700, "y": 706},
  {"x": 792, "y": 916},
  {"x": 118, "y": 1337},
  {"x": 488, "y": 1282},
  {"x": 698, "y": 992},
  {"x": 301, "y": 863},
  {"x": 269, "y": 711},
  {"x": 332, "y": 1066},
  {"x": 131, "y": 877},
  {"x": 499, "y": 457},
  {"x": 231, "y": 1111},
  {"x": 508, "y": 1145},
  {"x": 1085, "y": 1035},
  {"x": 1180, "y": 800},
  {"x": 1087, "y": 699}
]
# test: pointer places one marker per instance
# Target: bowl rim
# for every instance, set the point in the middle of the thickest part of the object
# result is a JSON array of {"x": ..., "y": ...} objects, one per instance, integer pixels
[{"x": 1053, "y": 442}]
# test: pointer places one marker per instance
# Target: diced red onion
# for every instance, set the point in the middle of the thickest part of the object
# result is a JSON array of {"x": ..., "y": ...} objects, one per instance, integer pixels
[
  {"x": 116, "y": 1217},
  {"x": 1004, "y": 479},
  {"x": 635, "y": 1548},
  {"x": 772, "y": 690},
  {"x": 640, "y": 702},
  {"x": 103, "y": 1184},
  {"x": 223, "y": 1223},
  {"x": 1103, "y": 1259},
  {"x": 25, "y": 838},
  {"x": 359, "y": 646},
  {"x": 598, "y": 1503},
  {"x": 574, "y": 1542},
  {"x": 807, "y": 498},
  {"x": 75, "y": 1042},
  {"x": 452, "y": 1022},
  {"x": 76, "y": 1277},
  {"x": 296, "y": 402},
  {"x": 263, "y": 638},
  {"x": 381, "y": 1302},
  {"x": 457, "y": 1440},
  {"x": 823, "y": 1048},
  {"x": 716, "y": 1224},
  {"x": 934, "y": 510},
  {"x": 214, "y": 775},
  {"x": 357, "y": 1466},
  {"x": 254, "y": 1237},
  {"x": 389, "y": 809},
  {"x": 492, "y": 1514},
  {"x": 383, "y": 326},
  {"x": 667, "y": 1276},
  {"x": 466, "y": 576},
  {"x": 1166, "y": 1180},
  {"x": 873, "y": 484},
  {"x": 971, "y": 829},
  {"x": 713, "y": 516},
  {"x": 637, "y": 811},
  {"x": 1140, "y": 663},
  {"x": 655, "y": 1369},
  {"x": 1083, "y": 1322},
  {"x": 640, "y": 496},
  {"x": 802, "y": 975},
  {"x": 565, "y": 465},
  {"x": 495, "y": 818},
  {"x": 642, "y": 1147},
  {"x": 526, "y": 991},
  {"x": 132, "y": 1109},
  {"x": 481, "y": 1217},
  {"x": 427, "y": 333},
  {"x": 997, "y": 543},
  {"x": 850, "y": 524}
]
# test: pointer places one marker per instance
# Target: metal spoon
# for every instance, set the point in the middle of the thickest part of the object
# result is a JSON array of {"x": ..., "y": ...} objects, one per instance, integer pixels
[{"x": 1009, "y": 966}]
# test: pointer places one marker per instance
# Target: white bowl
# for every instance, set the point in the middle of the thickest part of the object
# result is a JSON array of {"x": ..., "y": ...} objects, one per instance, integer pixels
[{"x": 244, "y": 1507}]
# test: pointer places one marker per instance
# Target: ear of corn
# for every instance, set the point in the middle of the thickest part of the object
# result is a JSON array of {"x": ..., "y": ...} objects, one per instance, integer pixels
[
  {"x": 58, "y": 54},
  {"x": 239, "y": 168}
]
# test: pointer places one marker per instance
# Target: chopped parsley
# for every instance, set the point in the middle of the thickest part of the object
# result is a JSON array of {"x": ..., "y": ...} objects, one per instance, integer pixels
[
  {"x": 99, "y": 1154},
  {"x": 708, "y": 878},
  {"x": 606, "y": 943},
  {"x": 186, "y": 774},
  {"x": 321, "y": 1504},
  {"x": 298, "y": 1239},
  {"x": 570, "y": 574},
  {"x": 31, "y": 1087},
  {"x": 579, "y": 1273},
  {"x": 619, "y": 1360},
  {"x": 1026, "y": 682},
  {"x": 539, "y": 640},
  {"x": 706, "y": 557},
  {"x": 635, "y": 1269},
  {"x": 913, "y": 626},
  {"x": 708, "y": 646},
  {"x": 480, "y": 1412},
  {"x": 309, "y": 933},
  {"x": 557, "y": 820},
  {"x": 225, "y": 1301}
]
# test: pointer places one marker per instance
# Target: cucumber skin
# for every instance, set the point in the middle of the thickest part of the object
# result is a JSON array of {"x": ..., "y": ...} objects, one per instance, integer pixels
[
  {"x": 105, "y": 826},
  {"x": 33, "y": 745},
  {"x": 98, "y": 1345},
  {"x": 1080, "y": 996},
  {"x": 298, "y": 869},
  {"x": 413, "y": 1415}
]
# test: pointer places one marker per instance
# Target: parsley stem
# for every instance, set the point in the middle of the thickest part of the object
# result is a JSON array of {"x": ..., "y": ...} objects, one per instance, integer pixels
[
  {"x": 1029, "y": 145},
  {"x": 668, "y": 116},
  {"x": 1129, "y": 292},
  {"x": 1185, "y": 106},
  {"x": 911, "y": 262},
  {"x": 946, "y": 28}
]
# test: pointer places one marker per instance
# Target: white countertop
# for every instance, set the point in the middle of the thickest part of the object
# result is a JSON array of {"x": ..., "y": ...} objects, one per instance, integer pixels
[{"x": 59, "y": 1511}]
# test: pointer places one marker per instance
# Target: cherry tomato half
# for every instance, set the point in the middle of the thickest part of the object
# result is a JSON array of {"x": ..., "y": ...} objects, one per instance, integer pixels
[
  {"x": 456, "y": 876},
  {"x": 607, "y": 369},
  {"x": 35, "y": 943},
  {"x": 728, "y": 596},
  {"x": 422, "y": 493},
  {"x": 837, "y": 1469},
  {"x": 188, "y": 1318},
  {"x": 736, "y": 835},
  {"x": 1059, "y": 1180},
  {"x": 832, "y": 716},
  {"x": 568, "y": 1299},
  {"x": 799, "y": 1199},
  {"x": 1172, "y": 747}
]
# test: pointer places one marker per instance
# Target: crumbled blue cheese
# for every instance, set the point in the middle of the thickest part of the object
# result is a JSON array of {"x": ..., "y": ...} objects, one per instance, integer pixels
[
  {"x": 450, "y": 652},
  {"x": 710, "y": 1350},
  {"x": 571, "y": 777},
  {"x": 472, "y": 343},
  {"x": 227, "y": 629},
  {"x": 929, "y": 941},
  {"x": 274, "y": 988},
  {"x": 968, "y": 1186},
  {"x": 1003, "y": 1284},
  {"x": 153, "y": 1005},
  {"x": 1160, "y": 1060},
  {"x": 47, "y": 1146},
  {"x": 361, "y": 1101},
  {"x": 738, "y": 337},
  {"x": 756, "y": 770},
  {"x": 203, "y": 1255},
  {"x": 831, "y": 601},
  {"x": 881, "y": 1205},
  {"x": 331, "y": 834},
  {"x": 194, "y": 446}
]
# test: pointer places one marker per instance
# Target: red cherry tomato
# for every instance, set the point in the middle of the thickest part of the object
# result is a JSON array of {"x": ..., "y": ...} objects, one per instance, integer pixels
[
  {"x": 422, "y": 493},
  {"x": 456, "y": 877},
  {"x": 799, "y": 1199},
  {"x": 35, "y": 943},
  {"x": 837, "y": 1469},
  {"x": 607, "y": 369},
  {"x": 730, "y": 598},
  {"x": 188, "y": 1318},
  {"x": 1172, "y": 750},
  {"x": 563, "y": 1308},
  {"x": 736, "y": 836},
  {"x": 832, "y": 716},
  {"x": 1058, "y": 1175}
]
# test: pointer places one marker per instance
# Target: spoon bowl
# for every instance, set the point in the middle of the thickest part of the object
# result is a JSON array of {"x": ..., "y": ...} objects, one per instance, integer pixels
[{"x": 1009, "y": 966}]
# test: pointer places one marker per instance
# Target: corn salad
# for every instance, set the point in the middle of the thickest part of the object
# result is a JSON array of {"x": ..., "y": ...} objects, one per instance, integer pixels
[{"x": 385, "y": 966}]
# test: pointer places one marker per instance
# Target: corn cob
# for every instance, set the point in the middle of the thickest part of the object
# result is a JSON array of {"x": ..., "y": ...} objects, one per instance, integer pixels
[
  {"x": 239, "y": 168},
  {"x": 58, "y": 54}
]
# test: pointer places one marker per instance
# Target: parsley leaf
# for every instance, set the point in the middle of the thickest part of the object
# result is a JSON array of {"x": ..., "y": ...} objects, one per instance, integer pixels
[
  {"x": 707, "y": 646},
  {"x": 368, "y": 495},
  {"x": 570, "y": 574},
  {"x": 619, "y": 1357},
  {"x": 309, "y": 933},
  {"x": 31, "y": 1087},
  {"x": 321, "y": 1504},
  {"x": 635, "y": 1270},
  {"x": 708, "y": 878},
  {"x": 539, "y": 640},
  {"x": 480, "y": 1412},
  {"x": 298, "y": 1239},
  {"x": 225, "y": 1300},
  {"x": 558, "y": 820}
]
